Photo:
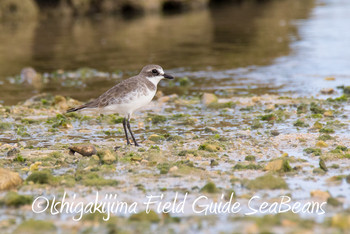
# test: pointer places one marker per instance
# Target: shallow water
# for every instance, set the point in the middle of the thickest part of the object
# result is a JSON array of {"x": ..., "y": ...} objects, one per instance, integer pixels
[{"x": 250, "y": 48}]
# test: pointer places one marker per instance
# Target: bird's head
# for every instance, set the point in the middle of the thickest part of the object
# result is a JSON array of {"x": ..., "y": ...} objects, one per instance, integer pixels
[{"x": 154, "y": 73}]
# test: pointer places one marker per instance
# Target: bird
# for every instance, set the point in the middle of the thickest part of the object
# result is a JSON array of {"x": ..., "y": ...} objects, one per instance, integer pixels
[{"x": 128, "y": 96}]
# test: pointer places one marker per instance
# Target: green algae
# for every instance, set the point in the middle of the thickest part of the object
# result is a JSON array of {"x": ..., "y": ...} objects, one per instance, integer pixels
[
  {"x": 16, "y": 200},
  {"x": 322, "y": 165},
  {"x": 209, "y": 187},
  {"x": 250, "y": 158},
  {"x": 268, "y": 117},
  {"x": 314, "y": 151},
  {"x": 32, "y": 226},
  {"x": 326, "y": 130},
  {"x": 316, "y": 109},
  {"x": 59, "y": 121},
  {"x": 256, "y": 124},
  {"x": 5, "y": 126},
  {"x": 40, "y": 177},
  {"x": 302, "y": 109},
  {"x": 156, "y": 138},
  {"x": 210, "y": 147},
  {"x": 94, "y": 179},
  {"x": 267, "y": 181},
  {"x": 218, "y": 105},
  {"x": 163, "y": 167},
  {"x": 143, "y": 216},
  {"x": 325, "y": 137},
  {"x": 186, "y": 152},
  {"x": 300, "y": 123},
  {"x": 157, "y": 119},
  {"x": 250, "y": 166}
]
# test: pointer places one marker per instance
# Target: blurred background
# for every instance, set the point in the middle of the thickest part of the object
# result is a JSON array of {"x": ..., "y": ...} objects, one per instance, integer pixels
[{"x": 239, "y": 46}]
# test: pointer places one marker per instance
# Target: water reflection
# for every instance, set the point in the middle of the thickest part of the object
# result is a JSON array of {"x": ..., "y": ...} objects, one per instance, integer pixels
[{"x": 224, "y": 37}]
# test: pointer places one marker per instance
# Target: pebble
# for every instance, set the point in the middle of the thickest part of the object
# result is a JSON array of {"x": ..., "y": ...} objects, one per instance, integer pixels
[
  {"x": 85, "y": 150},
  {"x": 209, "y": 98}
]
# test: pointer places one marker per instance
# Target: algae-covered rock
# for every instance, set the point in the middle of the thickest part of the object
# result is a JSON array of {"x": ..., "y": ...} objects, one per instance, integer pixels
[
  {"x": 211, "y": 147},
  {"x": 93, "y": 179},
  {"x": 341, "y": 221},
  {"x": 314, "y": 151},
  {"x": 317, "y": 125},
  {"x": 267, "y": 181},
  {"x": 250, "y": 158},
  {"x": 144, "y": 217},
  {"x": 319, "y": 194},
  {"x": 107, "y": 156},
  {"x": 210, "y": 187},
  {"x": 16, "y": 200},
  {"x": 333, "y": 202},
  {"x": 40, "y": 177},
  {"x": 156, "y": 138},
  {"x": 323, "y": 165},
  {"x": 209, "y": 98},
  {"x": 321, "y": 144},
  {"x": 32, "y": 226},
  {"x": 280, "y": 165},
  {"x": 84, "y": 149},
  {"x": 9, "y": 179}
]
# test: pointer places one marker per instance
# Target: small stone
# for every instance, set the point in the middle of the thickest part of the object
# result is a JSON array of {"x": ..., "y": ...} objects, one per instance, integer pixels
[
  {"x": 341, "y": 221},
  {"x": 95, "y": 157},
  {"x": 281, "y": 165},
  {"x": 136, "y": 158},
  {"x": 108, "y": 157},
  {"x": 256, "y": 99},
  {"x": 9, "y": 179},
  {"x": 213, "y": 163},
  {"x": 173, "y": 169},
  {"x": 321, "y": 144},
  {"x": 319, "y": 194},
  {"x": 327, "y": 91},
  {"x": 274, "y": 133},
  {"x": 85, "y": 150},
  {"x": 275, "y": 165},
  {"x": 211, "y": 129},
  {"x": 329, "y": 78},
  {"x": 159, "y": 94},
  {"x": 12, "y": 152},
  {"x": 60, "y": 102},
  {"x": 323, "y": 165},
  {"x": 328, "y": 114},
  {"x": 163, "y": 99},
  {"x": 209, "y": 98}
]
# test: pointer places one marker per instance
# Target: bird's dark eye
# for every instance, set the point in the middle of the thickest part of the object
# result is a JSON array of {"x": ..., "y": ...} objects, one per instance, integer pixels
[{"x": 154, "y": 71}]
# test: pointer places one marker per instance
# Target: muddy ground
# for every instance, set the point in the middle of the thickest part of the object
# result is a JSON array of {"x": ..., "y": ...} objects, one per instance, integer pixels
[{"x": 267, "y": 146}]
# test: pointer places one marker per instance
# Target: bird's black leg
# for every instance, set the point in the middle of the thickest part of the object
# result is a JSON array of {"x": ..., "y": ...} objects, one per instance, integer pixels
[
  {"x": 132, "y": 135},
  {"x": 126, "y": 131}
]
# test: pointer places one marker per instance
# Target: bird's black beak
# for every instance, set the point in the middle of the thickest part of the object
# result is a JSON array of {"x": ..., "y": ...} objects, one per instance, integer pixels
[{"x": 168, "y": 76}]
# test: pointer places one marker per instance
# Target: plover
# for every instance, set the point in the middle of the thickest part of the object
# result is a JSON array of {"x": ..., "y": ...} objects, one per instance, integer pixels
[{"x": 128, "y": 96}]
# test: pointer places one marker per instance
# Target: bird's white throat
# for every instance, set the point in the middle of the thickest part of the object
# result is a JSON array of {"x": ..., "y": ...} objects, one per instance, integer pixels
[{"x": 155, "y": 79}]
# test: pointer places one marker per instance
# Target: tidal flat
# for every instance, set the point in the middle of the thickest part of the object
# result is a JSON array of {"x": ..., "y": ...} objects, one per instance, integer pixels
[{"x": 243, "y": 150}]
